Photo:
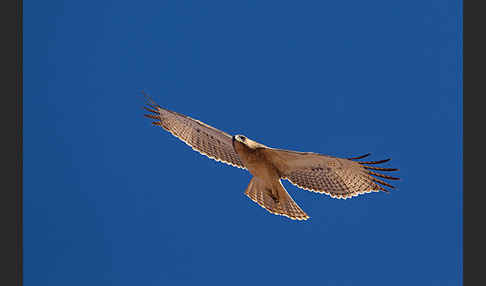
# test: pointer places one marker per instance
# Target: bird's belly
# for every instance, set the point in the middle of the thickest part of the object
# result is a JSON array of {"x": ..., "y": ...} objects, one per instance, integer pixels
[
  {"x": 256, "y": 162},
  {"x": 261, "y": 169}
]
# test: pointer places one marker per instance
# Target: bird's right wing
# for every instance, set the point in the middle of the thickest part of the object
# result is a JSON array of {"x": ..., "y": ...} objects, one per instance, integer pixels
[
  {"x": 338, "y": 177},
  {"x": 203, "y": 138}
]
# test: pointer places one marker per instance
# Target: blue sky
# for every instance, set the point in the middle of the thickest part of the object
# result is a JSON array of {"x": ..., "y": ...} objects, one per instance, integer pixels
[{"x": 111, "y": 200}]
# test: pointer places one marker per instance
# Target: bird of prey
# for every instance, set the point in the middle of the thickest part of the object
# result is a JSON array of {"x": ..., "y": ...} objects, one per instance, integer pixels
[{"x": 340, "y": 178}]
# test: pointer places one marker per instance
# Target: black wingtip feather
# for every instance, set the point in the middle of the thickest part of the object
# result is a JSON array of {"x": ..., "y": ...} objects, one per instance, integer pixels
[
  {"x": 381, "y": 182},
  {"x": 150, "y": 110},
  {"x": 149, "y": 99},
  {"x": 383, "y": 176},
  {"x": 381, "y": 169},
  {"x": 151, "y": 116},
  {"x": 360, "y": 157},
  {"x": 375, "y": 162}
]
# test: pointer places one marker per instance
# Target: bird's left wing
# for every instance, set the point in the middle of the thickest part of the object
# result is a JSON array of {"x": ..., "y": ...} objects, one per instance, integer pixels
[
  {"x": 337, "y": 177},
  {"x": 203, "y": 138}
]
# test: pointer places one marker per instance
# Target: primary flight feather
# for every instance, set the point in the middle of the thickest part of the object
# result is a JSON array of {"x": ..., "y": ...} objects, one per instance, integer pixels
[{"x": 338, "y": 177}]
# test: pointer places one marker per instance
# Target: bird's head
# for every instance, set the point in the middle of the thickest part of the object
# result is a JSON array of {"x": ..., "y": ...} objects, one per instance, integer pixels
[
  {"x": 246, "y": 141},
  {"x": 239, "y": 138}
]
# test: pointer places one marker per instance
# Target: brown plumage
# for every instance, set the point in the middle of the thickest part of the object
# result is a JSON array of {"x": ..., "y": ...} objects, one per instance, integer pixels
[{"x": 337, "y": 177}]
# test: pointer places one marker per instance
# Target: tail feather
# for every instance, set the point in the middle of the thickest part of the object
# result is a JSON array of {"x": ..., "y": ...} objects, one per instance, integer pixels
[{"x": 282, "y": 204}]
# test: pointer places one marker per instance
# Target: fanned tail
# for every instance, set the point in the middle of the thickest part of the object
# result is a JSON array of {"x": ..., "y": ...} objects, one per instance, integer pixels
[{"x": 277, "y": 202}]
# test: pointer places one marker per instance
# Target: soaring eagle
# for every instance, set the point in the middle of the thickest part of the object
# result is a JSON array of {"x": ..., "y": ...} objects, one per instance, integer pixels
[{"x": 340, "y": 178}]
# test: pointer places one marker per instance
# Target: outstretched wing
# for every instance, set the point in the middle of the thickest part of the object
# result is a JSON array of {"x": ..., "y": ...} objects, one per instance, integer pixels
[
  {"x": 203, "y": 138},
  {"x": 337, "y": 177}
]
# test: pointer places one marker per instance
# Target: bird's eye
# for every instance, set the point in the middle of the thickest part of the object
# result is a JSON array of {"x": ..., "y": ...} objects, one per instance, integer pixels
[{"x": 242, "y": 138}]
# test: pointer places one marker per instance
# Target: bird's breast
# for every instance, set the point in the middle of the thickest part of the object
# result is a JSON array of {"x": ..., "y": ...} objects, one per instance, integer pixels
[{"x": 255, "y": 162}]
